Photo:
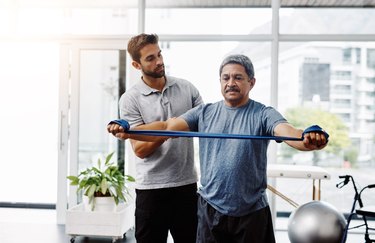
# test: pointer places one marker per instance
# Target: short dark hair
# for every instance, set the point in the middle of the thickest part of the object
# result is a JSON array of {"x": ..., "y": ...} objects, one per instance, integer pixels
[
  {"x": 241, "y": 60},
  {"x": 136, "y": 43}
]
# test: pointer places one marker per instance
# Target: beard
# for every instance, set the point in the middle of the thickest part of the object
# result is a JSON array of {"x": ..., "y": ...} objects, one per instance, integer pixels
[{"x": 159, "y": 72}]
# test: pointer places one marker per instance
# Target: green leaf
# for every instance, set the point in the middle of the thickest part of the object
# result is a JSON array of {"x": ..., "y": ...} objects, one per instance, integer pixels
[
  {"x": 74, "y": 180},
  {"x": 99, "y": 163},
  {"x": 96, "y": 170},
  {"x": 104, "y": 186},
  {"x": 112, "y": 190},
  {"x": 108, "y": 158},
  {"x": 91, "y": 190},
  {"x": 72, "y": 177},
  {"x": 129, "y": 178}
]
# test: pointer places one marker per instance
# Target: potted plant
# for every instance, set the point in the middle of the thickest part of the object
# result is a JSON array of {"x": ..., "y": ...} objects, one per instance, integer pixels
[{"x": 102, "y": 181}]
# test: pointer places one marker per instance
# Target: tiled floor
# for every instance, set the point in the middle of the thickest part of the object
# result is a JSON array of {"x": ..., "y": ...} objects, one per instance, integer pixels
[{"x": 39, "y": 226}]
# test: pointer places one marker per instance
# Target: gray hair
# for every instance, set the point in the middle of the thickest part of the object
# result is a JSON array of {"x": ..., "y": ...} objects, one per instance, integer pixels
[{"x": 241, "y": 60}]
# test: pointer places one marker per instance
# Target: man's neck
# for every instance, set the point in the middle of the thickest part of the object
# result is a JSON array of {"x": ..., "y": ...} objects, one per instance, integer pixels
[
  {"x": 155, "y": 83},
  {"x": 236, "y": 104}
]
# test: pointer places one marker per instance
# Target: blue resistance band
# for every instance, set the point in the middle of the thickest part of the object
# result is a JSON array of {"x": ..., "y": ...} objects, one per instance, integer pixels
[{"x": 124, "y": 124}]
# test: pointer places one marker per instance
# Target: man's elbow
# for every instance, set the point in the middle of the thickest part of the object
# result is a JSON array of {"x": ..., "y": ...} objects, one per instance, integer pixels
[{"x": 140, "y": 153}]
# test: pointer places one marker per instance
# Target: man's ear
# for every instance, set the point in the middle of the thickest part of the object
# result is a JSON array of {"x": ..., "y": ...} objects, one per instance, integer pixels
[
  {"x": 136, "y": 65},
  {"x": 252, "y": 82}
]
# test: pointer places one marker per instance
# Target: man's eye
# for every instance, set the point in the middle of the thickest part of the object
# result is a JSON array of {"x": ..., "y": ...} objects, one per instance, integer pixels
[{"x": 238, "y": 78}]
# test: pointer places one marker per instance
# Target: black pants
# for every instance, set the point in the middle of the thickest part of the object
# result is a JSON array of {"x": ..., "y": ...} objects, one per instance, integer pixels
[
  {"x": 168, "y": 209},
  {"x": 214, "y": 227}
]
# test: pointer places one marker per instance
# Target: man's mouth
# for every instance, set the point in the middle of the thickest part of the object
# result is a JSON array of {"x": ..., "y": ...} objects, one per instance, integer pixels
[{"x": 160, "y": 69}]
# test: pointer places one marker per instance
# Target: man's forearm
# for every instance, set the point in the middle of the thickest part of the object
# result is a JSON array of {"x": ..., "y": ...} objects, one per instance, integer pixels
[
  {"x": 144, "y": 149},
  {"x": 157, "y": 125},
  {"x": 173, "y": 124}
]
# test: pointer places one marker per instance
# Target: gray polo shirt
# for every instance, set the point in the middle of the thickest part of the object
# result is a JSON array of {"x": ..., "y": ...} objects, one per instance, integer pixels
[{"x": 172, "y": 164}]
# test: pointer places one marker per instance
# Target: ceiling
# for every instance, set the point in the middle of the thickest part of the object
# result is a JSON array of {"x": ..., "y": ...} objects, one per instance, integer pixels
[{"x": 189, "y": 3}]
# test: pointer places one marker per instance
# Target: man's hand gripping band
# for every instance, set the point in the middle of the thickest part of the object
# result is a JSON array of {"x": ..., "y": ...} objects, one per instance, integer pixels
[{"x": 125, "y": 125}]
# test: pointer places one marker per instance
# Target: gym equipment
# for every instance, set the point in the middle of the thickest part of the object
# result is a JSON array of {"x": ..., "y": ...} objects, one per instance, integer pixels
[
  {"x": 279, "y": 139},
  {"x": 363, "y": 211},
  {"x": 316, "y": 222},
  {"x": 315, "y": 173}
]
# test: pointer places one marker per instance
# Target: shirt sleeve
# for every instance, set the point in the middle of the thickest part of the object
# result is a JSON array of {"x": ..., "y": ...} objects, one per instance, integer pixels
[
  {"x": 192, "y": 117},
  {"x": 129, "y": 110},
  {"x": 197, "y": 98},
  {"x": 272, "y": 118}
]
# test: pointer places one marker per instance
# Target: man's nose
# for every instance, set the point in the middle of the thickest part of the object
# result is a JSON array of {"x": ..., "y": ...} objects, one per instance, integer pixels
[
  {"x": 159, "y": 60},
  {"x": 231, "y": 82}
]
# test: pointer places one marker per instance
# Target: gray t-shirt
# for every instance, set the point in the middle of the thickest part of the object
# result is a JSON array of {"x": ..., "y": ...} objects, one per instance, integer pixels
[
  {"x": 172, "y": 164},
  {"x": 234, "y": 171}
]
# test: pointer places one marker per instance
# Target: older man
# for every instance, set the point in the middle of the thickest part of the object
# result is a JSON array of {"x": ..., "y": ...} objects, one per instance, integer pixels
[{"x": 232, "y": 204}]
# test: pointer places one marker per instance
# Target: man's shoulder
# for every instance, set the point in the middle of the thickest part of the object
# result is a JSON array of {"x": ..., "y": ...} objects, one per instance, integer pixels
[
  {"x": 135, "y": 89},
  {"x": 130, "y": 95},
  {"x": 210, "y": 107},
  {"x": 256, "y": 105},
  {"x": 175, "y": 79},
  {"x": 179, "y": 81}
]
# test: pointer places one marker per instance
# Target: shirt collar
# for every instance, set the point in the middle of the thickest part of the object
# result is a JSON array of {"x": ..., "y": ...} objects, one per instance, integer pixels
[{"x": 147, "y": 90}]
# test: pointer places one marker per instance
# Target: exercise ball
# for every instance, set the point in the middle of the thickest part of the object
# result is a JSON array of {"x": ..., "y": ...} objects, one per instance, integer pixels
[{"x": 316, "y": 222}]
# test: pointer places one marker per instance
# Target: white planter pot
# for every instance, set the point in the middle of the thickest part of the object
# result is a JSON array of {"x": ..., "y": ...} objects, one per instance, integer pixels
[
  {"x": 115, "y": 224},
  {"x": 102, "y": 204}
]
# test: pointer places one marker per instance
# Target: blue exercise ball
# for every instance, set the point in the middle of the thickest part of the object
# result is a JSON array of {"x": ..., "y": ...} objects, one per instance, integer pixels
[{"x": 316, "y": 222}]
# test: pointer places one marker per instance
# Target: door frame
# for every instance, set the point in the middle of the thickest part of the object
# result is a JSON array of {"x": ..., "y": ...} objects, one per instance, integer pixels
[{"x": 68, "y": 122}]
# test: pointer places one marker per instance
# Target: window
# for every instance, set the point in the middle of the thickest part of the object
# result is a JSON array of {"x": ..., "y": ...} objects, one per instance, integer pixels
[
  {"x": 343, "y": 104},
  {"x": 29, "y": 101},
  {"x": 327, "y": 21},
  {"x": 205, "y": 21},
  {"x": 371, "y": 58},
  {"x": 347, "y": 55},
  {"x": 75, "y": 21},
  {"x": 342, "y": 75}
]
